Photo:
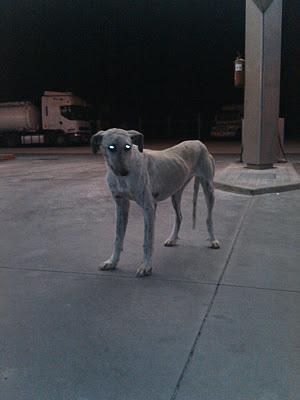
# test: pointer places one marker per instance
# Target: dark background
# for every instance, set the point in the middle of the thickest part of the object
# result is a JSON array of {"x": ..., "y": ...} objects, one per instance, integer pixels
[{"x": 134, "y": 59}]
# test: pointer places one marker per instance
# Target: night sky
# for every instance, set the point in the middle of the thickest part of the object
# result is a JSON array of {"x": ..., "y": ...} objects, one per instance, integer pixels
[{"x": 131, "y": 58}]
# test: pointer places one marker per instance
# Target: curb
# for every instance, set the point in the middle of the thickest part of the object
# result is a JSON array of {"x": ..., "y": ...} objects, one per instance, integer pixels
[
  {"x": 253, "y": 192},
  {"x": 54, "y": 154},
  {"x": 7, "y": 157}
]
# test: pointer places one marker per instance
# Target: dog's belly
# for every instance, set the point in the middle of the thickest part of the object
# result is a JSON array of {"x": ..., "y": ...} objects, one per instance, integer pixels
[
  {"x": 170, "y": 179},
  {"x": 166, "y": 193}
]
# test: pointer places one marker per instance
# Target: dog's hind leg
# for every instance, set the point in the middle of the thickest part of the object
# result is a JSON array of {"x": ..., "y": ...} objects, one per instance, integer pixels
[
  {"x": 122, "y": 209},
  {"x": 208, "y": 189},
  {"x": 176, "y": 201}
]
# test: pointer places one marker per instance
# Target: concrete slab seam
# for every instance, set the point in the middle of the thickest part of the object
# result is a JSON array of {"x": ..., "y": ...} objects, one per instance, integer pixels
[
  {"x": 186, "y": 281},
  {"x": 210, "y": 305},
  {"x": 104, "y": 276},
  {"x": 260, "y": 288}
]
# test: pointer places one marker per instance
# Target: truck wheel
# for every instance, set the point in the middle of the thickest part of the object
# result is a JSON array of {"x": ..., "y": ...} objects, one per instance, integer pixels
[
  {"x": 62, "y": 140},
  {"x": 49, "y": 139},
  {"x": 13, "y": 140}
]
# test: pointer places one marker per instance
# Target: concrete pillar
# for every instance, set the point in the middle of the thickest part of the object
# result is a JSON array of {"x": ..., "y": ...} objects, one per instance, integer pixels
[{"x": 262, "y": 85}]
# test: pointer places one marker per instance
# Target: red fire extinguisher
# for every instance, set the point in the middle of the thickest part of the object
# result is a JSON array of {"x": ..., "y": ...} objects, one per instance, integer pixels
[{"x": 239, "y": 72}]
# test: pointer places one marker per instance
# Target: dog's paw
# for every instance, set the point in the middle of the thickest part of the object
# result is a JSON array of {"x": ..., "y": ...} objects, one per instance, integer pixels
[
  {"x": 215, "y": 244},
  {"x": 143, "y": 271},
  {"x": 170, "y": 242},
  {"x": 107, "y": 266}
]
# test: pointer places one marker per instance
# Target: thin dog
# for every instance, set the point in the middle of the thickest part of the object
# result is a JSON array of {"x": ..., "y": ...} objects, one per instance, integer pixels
[{"x": 148, "y": 177}]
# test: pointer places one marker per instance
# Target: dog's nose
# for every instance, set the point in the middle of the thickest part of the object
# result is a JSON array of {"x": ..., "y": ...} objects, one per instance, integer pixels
[{"x": 124, "y": 172}]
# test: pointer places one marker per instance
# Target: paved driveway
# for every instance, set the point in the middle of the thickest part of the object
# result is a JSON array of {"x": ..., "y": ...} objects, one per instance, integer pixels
[{"x": 208, "y": 324}]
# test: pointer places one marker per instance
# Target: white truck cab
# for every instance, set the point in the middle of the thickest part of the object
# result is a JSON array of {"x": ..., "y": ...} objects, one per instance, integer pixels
[{"x": 66, "y": 113}]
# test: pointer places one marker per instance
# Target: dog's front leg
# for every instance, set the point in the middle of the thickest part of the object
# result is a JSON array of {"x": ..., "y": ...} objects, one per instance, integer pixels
[
  {"x": 122, "y": 209},
  {"x": 149, "y": 220}
]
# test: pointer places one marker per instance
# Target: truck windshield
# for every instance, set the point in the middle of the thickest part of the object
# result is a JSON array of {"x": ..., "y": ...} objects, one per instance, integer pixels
[{"x": 75, "y": 113}]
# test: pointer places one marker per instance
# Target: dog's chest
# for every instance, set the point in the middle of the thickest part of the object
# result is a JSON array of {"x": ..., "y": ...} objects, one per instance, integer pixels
[{"x": 120, "y": 187}]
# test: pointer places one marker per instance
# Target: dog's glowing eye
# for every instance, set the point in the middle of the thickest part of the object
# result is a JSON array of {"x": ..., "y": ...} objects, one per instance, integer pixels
[
  {"x": 112, "y": 147},
  {"x": 127, "y": 147}
]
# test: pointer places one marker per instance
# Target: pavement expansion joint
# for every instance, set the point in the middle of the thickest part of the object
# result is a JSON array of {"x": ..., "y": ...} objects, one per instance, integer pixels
[
  {"x": 238, "y": 178},
  {"x": 105, "y": 275},
  {"x": 211, "y": 303},
  {"x": 260, "y": 288}
]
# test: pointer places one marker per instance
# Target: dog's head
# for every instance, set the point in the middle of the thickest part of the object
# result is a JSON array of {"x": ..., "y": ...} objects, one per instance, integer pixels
[{"x": 116, "y": 145}]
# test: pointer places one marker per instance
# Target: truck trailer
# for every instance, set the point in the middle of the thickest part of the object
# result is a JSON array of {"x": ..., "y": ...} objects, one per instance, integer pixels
[
  {"x": 228, "y": 122},
  {"x": 63, "y": 118}
]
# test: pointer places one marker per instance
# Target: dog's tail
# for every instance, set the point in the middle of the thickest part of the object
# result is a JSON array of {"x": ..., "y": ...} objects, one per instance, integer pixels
[
  {"x": 195, "y": 198},
  {"x": 213, "y": 164}
]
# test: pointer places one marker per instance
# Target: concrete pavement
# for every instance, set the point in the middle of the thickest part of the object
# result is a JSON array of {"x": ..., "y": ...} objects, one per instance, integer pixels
[{"x": 209, "y": 324}]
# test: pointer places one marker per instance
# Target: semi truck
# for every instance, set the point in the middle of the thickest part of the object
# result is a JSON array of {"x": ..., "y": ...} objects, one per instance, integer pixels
[{"x": 62, "y": 118}]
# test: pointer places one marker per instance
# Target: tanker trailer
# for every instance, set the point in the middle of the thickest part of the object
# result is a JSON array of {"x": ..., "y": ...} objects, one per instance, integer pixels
[
  {"x": 63, "y": 118},
  {"x": 18, "y": 119}
]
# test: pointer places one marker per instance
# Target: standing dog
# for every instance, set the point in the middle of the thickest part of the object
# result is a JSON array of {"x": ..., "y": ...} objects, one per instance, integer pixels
[{"x": 151, "y": 176}]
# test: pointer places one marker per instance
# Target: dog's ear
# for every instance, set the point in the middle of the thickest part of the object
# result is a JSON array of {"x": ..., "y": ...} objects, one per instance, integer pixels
[
  {"x": 138, "y": 139},
  {"x": 96, "y": 141}
]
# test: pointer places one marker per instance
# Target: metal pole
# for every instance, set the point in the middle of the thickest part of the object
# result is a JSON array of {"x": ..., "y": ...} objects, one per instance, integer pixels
[{"x": 262, "y": 88}]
